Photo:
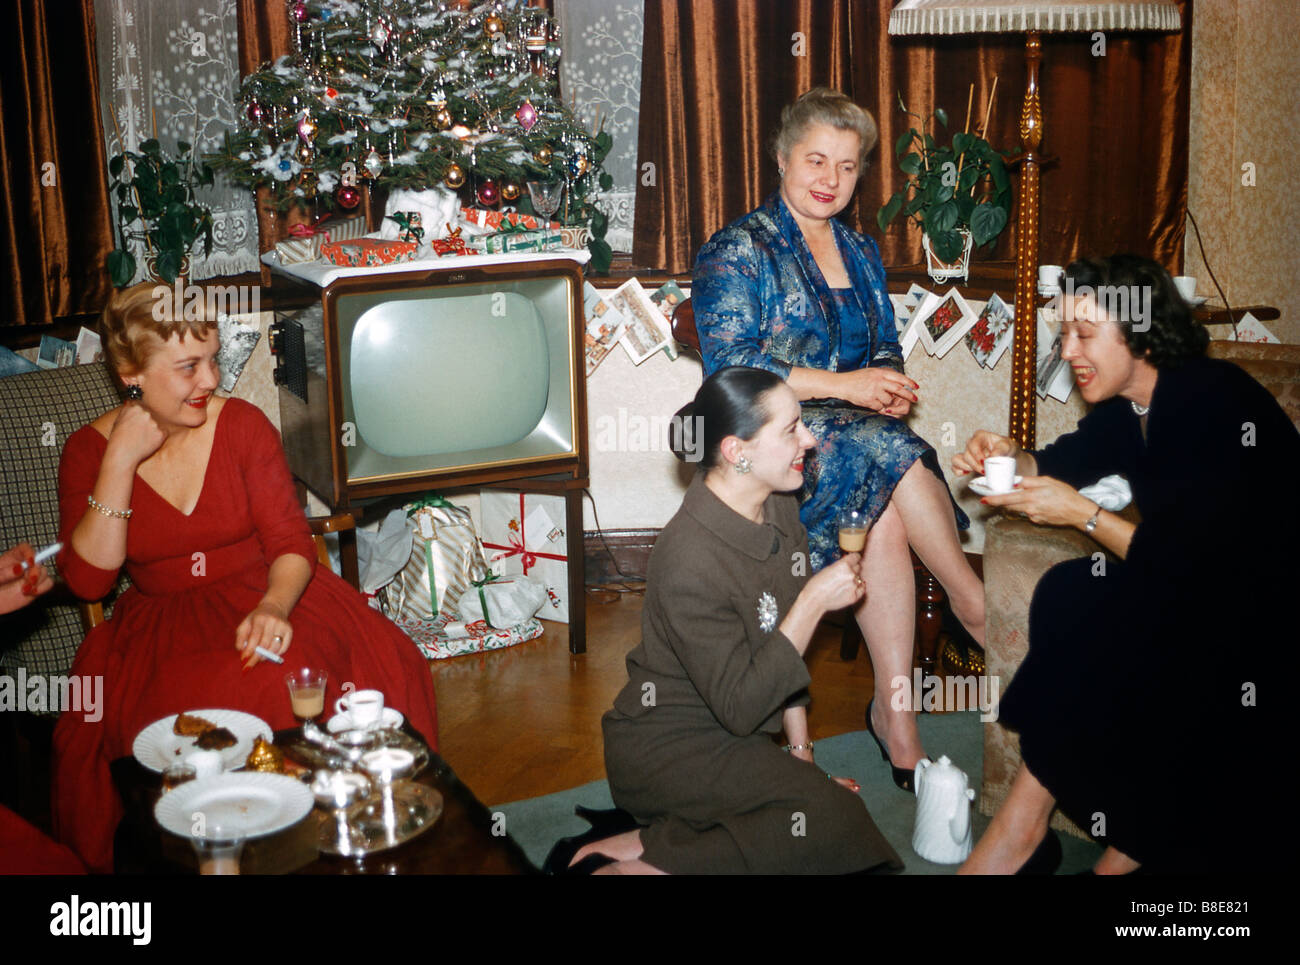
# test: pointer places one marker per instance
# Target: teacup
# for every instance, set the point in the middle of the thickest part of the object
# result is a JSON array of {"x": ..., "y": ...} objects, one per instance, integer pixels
[
  {"x": 1049, "y": 277},
  {"x": 1186, "y": 285},
  {"x": 364, "y": 708},
  {"x": 1000, "y": 473}
]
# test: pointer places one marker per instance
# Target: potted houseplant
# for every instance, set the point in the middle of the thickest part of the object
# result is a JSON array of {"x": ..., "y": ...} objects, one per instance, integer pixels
[
  {"x": 959, "y": 194},
  {"x": 156, "y": 205}
]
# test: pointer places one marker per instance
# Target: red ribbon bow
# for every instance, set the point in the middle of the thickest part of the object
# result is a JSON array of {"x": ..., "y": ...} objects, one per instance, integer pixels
[
  {"x": 516, "y": 547},
  {"x": 303, "y": 230}
]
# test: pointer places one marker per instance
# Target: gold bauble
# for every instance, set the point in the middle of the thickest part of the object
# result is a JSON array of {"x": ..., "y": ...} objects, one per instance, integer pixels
[
  {"x": 543, "y": 154},
  {"x": 442, "y": 117},
  {"x": 511, "y": 191},
  {"x": 455, "y": 177},
  {"x": 305, "y": 154},
  {"x": 493, "y": 25}
]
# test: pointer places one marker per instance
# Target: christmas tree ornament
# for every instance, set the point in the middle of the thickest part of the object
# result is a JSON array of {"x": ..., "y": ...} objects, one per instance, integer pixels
[
  {"x": 526, "y": 116},
  {"x": 510, "y": 191},
  {"x": 305, "y": 153},
  {"x": 285, "y": 165},
  {"x": 493, "y": 25},
  {"x": 543, "y": 154},
  {"x": 331, "y": 94},
  {"x": 442, "y": 117},
  {"x": 255, "y": 112},
  {"x": 379, "y": 36},
  {"x": 374, "y": 164},
  {"x": 488, "y": 194},
  {"x": 306, "y": 128},
  {"x": 299, "y": 12},
  {"x": 578, "y": 165},
  {"x": 348, "y": 197},
  {"x": 455, "y": 177}
]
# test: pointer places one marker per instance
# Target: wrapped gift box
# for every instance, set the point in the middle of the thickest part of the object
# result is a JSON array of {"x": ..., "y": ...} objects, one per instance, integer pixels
[
  {"x": 523, "y": 534},
  {"x": 503, "y": 602},
  {"x": 364, "y": 252},
  {"x": 305, "y": 242},
  {"x": 496, "y": 220},
  {"x": 521, "y": 240},
  {"x": 445, "y": 560},
  {"x": 439, "y": 639}
]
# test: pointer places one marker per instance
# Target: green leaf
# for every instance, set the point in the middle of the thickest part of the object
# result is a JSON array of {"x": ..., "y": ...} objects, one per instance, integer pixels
[
  {"x": 602, "y": 255},
  {"x": 947, "y": 245},
  {"x": 941, "y": 116},
  {"x": 987, "y": 222},
  {"x": 889, "y": 211},
  {"x": 910, "y": 164},
  {"x": 182, "y": 147},
  {"x": 121, "y": 267},
  {"x": 999, "y": 170},
  {"x": 151, "y": 148},
  {"x": 961, "y": 143},
  {"x": 942, "y": 218},
  {"x": 169, "y": 265},
  {"x": 903, "y": 142},
  {"x": 606, "y": 181},
  {"x": 913, "y": 206},
  {"x": 127, "y": 213},
  {"x": 115, "y": 165}
]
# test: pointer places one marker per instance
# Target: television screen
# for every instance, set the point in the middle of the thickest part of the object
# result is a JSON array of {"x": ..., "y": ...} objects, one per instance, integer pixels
[{"x": 475, "y": 373}]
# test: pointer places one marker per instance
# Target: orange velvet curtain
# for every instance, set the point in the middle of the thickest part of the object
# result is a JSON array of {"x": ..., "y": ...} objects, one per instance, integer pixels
[
  {"x": 54, "y": 223},
  {"x": 716, "y": 73}
]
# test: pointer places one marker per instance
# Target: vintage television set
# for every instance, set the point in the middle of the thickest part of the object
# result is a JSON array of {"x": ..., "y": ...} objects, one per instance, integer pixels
[{"x": 403, "y": 381}]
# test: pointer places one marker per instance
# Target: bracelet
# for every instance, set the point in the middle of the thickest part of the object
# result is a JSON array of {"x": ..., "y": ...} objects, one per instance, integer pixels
[
  {"x": 1091, "y": 524},
  {"x": 105, "y": 511},
  {"x": 798, "y": 747}
]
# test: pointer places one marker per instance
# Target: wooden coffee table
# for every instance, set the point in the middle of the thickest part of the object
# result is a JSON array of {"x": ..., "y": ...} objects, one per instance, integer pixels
[{"x": 460, "y": 842}]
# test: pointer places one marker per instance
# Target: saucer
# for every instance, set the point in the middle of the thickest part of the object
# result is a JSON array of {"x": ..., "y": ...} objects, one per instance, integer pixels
[
  {"x": 341, "y": 722},
  {"x": 980, "y": 485},
  {"x": 1196, "y": 301}
]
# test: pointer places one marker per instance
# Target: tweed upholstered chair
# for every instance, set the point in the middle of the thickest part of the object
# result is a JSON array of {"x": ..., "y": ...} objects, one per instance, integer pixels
[
  {"x": 1017, "y": 553},
  {"x": 38, "y": 411}
]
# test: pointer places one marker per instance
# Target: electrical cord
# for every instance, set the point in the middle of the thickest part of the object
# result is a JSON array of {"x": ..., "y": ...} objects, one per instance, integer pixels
[
  {"x": 613, "y": 588},
  {"x": 1232, "y": 319}
]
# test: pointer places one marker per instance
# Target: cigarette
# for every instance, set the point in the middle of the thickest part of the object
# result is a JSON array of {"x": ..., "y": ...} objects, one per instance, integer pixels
[
  {"x": 46, "y": 554},
  {"x": 268, "y": 655}
]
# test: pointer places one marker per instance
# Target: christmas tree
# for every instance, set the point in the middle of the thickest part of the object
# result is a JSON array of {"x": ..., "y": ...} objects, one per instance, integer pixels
[{"x": 416, "y": 94}]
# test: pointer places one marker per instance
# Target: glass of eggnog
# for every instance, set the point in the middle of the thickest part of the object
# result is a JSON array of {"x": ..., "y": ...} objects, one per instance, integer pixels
[{"x": 853, "y": 526}]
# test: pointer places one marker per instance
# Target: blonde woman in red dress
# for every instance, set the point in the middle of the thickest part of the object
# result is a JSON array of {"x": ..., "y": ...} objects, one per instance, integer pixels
[{"x": 191, "y": 493}]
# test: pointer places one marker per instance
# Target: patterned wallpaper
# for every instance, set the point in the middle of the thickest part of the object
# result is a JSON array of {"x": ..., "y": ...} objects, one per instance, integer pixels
[{"x": 1244, "y": 127}]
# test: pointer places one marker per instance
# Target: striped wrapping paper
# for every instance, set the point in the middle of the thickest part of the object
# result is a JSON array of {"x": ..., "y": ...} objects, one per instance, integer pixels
[{"x": 445, "y": 559}]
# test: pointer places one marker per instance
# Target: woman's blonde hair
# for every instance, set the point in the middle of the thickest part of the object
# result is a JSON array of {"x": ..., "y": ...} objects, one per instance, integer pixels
[
  {"x": 134, "y": 316},
  {"x": 821, "y": 105}
]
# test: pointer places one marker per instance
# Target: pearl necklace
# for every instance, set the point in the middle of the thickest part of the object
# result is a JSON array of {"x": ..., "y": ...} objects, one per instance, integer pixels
[{"x": 1141, "y": 410}]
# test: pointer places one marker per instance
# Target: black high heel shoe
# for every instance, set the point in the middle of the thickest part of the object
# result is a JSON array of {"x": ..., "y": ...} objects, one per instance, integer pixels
[
  {"x": 902, "y": 775},
  {"x": 604, "y": 824},
  {"x": 1046, "y": 857}
]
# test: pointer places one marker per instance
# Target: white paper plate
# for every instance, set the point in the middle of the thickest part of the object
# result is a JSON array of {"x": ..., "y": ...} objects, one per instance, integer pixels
[
  {"x": 980, "y": 485},
  {"x": 341, "y": 722},
  {"x": 231, "y": 806},
  {"x": 157, "y": 748}
]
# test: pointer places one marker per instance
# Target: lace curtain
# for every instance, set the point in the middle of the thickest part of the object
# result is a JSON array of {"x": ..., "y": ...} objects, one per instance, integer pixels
[
  {"x": 172, "y": 66},
  {"x": 601, "y": 75}
]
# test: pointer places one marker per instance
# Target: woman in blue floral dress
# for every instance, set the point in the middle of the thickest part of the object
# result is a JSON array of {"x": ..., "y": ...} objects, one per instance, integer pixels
[{"x": 789, "y": 289}]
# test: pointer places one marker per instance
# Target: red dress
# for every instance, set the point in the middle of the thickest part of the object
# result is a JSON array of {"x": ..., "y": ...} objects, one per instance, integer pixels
[{"x": 170, "y": 645}]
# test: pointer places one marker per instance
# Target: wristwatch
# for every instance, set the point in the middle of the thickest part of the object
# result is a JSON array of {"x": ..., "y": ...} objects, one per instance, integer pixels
[{"x": 1091, "y": 524}]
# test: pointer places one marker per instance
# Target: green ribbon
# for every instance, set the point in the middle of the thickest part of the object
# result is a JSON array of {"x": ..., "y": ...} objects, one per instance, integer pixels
[
  {"x": 433, "y": 584},
  {"x": 482, "y": 597},
  {"x": 431, "y": 501}
]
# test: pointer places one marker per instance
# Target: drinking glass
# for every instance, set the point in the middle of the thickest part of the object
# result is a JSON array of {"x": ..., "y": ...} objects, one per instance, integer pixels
[
  {"x": 853, "y": 526},
  {"x": 218, "y": 850},
  {"x": 307, "y": 692},
  {"x": 546, "y": 200}
]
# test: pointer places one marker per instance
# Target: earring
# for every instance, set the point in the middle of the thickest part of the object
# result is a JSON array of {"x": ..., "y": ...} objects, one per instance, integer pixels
[
  {"x": 743, "y": 465},
  {"x": 134, "y": 393}
]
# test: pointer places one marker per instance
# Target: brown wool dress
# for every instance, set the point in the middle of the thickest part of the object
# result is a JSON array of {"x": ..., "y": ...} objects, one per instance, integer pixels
[{"x": 689, "y": 746}]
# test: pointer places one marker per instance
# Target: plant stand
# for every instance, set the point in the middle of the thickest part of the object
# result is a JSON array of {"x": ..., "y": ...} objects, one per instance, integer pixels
[{"x": 942, "y": 271}]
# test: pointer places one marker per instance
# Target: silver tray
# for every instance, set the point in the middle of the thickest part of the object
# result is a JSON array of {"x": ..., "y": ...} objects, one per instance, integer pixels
[{"x": 392, "y": 815}]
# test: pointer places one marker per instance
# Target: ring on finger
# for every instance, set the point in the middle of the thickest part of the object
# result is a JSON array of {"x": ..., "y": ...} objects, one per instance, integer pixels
[{"x": 277, "y": 638}]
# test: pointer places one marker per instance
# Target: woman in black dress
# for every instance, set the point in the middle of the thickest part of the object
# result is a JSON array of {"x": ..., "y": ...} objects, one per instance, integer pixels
[{"x": 1137, "y": 704}]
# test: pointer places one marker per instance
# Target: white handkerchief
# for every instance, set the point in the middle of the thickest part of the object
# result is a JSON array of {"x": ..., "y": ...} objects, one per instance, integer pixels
[{"x": 1110, "y": 493}]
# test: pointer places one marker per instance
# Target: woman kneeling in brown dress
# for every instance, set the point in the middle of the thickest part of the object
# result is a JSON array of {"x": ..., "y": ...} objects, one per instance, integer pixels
[{"x": 729, "y": 612}]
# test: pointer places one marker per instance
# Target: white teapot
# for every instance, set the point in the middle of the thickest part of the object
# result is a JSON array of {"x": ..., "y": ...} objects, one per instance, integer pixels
[{"x": 942, "y": 832}]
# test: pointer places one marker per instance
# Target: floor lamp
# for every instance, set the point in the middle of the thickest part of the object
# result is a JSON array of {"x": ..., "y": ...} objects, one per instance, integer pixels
[{"x": 1032, "y": 18}]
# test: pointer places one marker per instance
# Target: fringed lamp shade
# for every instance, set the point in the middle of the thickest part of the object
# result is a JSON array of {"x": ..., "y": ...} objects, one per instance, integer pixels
[
  {"x": 942, "y": 17},
  {"x": 1016, "y": 16}
]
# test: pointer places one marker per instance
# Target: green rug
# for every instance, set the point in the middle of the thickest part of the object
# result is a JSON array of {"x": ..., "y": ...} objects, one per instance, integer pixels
[{"x": 537, "y": 823}]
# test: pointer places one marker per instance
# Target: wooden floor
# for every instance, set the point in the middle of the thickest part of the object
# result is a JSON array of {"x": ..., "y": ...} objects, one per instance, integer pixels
[{"x": 525, "y": 721}]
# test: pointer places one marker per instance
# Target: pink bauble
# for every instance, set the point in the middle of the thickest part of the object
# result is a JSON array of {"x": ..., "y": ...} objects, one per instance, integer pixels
[
  {"x": 488, "y": 194},
  {"x": 299, "y": 11}
]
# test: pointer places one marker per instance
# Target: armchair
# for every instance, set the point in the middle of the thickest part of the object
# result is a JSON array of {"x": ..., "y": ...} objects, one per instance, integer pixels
[{"x": 1017, "y": 553}]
